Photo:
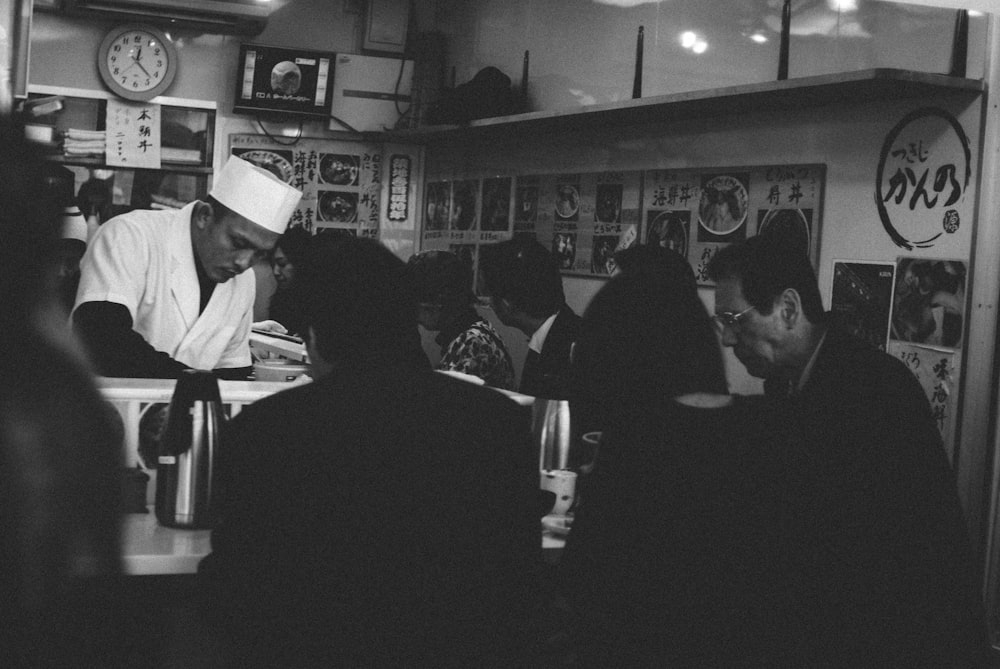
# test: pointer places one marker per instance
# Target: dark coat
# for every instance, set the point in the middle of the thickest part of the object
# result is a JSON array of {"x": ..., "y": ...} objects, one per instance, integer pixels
[
  {"x": 383, "y": 516},
  {"x": 548, "y": 374},
  {"x": 884, "y": 568}
]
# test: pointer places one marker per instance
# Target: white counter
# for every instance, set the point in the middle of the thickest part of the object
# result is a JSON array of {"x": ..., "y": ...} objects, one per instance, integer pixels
[{"x": 149, "y": 549}]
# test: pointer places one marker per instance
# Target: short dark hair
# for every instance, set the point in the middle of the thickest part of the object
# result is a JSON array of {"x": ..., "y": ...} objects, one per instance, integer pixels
[
  {"x": 353, "y": 293},
  {"x": 765, "y": 268},
  {"x": 525, "y": 273},
  {"x": 294, "y": 243},
  {"x": 440, "y": 277}
]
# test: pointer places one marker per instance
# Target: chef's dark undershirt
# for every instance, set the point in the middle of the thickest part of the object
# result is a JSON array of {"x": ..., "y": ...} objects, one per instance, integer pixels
[{"x": 118, "y": 350}]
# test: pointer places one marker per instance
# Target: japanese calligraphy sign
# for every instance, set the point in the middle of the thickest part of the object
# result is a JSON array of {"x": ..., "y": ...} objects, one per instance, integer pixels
[
  {"x": 340, "y": 181},
  {"x": 862, "y": 299},
  {"x": 133, "y": 134},
  {"x": 696, "y": 212},
  {"x": 923, "y": 176},
  {"x": 938, "y": 373},
  {"x": 583, "y": 217}
]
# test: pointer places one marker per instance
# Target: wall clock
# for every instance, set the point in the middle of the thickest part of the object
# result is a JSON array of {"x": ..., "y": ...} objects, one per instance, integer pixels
[{"x": 136, "y": 61}]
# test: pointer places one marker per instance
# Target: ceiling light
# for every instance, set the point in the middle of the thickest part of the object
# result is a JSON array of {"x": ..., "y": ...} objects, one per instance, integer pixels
[
  {"x": 759, "y": 38},
  {"x": 699, "y": 46}
]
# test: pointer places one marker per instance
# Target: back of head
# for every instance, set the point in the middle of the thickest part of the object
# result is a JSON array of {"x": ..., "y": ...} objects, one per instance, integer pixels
[
  {"x": 525, "y": 273},
  {"x": 646, "y": 337},
  {"x": 294, "y": 243},
  {"x": 765, "y": 267},
  {"x": 440, "y": 277},
  {"x": 353, "y": 294}
]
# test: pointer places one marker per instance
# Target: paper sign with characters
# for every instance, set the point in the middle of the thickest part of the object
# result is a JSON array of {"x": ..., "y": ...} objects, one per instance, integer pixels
[
  {"x": 698, "y": 211},
  {"x": 340, "y": 181}
]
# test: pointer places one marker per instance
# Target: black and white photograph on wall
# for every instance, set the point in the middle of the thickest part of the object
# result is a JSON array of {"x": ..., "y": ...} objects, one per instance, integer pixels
[
  {"x": 567, "y": 202},
  {"x": 609, "y": 203},
  {"x": 602, "y": 258},
  {"x": 437, "y": 204},
  {"x": 465, "y": 195},
  {"x": 722, "y": 209},
  {"x": 929, "y": 302},
  {"x": 496, "y": 204},
  {"x": 669, "y": 229},
  {"x": 277, "y": 162},
  {"x": 338, "y": 169},
  {"x": 526, "y": 203},
  {"x": 338, "y": 206},
  {"x": 862, "y": 299},
  {"x": 564, "y": 246}
]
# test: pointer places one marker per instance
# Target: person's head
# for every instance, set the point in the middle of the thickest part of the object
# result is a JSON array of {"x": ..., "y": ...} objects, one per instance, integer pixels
[
  {"x": 522, "y": 279},
  {"x": 242, "y": 219},
  {"x": 442, "y": 287},
  {"x": 645, "y": 337},
  {"x": 354, "y": 303},
  {"x": 768, "y": 304},
  {"x": 288, "y": 252}
]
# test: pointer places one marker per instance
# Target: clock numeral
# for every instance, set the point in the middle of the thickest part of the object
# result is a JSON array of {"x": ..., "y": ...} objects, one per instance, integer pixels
[
  {"x": 156, "y": 51},
  {"x": 159, "y": 63},
  {"x": 115, "y": 72},
  {"x": 124, "y": 80},
  {"x": 135, "y": 84},
  {"x": 117, "y": 48},
  {"x": 136, "y": 39},
  {"x": 147, "y": 82}
]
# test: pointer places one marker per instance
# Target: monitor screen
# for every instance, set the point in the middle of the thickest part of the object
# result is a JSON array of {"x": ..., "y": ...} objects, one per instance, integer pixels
[{"x": 286, "y": 82}]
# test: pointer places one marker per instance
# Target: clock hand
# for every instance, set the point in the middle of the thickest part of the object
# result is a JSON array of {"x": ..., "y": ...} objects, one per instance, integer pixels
[{"x": 142, "y": 68}]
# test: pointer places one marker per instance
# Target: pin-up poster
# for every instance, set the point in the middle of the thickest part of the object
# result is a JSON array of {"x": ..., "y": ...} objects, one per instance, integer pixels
[
  {"x": 929, "y": 302},
  {"x": 698, "y": 211},
  {"x": 582, "y": 217},
  {"x": 340, "y": 181},
  {"x": 862, "y": 299}
]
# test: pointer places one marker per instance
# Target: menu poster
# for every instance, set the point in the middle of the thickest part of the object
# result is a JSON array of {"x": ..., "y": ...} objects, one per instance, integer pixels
[
  {"x": 862, "y": 299},
  {"x": 132, "y": 137},
  {"x": 938, "y": 373},
  {"x": 698, "y": 211},
  {"x": 929, "y": 303},
  {"x": 584, "y": 218},
  {"x": 340, "y": 181}
]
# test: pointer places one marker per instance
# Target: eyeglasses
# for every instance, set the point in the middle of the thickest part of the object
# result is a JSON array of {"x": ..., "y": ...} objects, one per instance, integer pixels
[{"x": 728, "y": 319}]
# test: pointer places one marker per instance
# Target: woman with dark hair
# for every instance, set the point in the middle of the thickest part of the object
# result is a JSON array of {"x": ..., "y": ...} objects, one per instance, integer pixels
[
  {"x": 289, "y": 252},
  {"x": 445, "y": 303},
  {"x": 670, "y": 555}
]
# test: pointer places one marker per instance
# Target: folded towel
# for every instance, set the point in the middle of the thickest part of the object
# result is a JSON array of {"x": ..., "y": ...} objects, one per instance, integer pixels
[{"x": 85, "y": 135}]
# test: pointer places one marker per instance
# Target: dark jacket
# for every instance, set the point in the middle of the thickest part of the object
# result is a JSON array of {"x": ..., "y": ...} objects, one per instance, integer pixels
[
  {"x": 885, "y": 568},
  {"x": 548, "y": 374},
  {"x": 381, "y": 516}
]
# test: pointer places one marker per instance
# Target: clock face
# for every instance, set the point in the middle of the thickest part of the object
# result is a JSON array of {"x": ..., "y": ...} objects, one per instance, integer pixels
[{"x": 137, "y": 62}]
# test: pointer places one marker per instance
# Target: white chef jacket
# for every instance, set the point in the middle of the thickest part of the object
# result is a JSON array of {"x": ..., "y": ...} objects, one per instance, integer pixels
[{"x": 144, "y": 261}]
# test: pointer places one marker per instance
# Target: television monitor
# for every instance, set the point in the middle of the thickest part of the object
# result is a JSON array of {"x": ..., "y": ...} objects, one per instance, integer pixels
[{"x": 279, "y": 81}]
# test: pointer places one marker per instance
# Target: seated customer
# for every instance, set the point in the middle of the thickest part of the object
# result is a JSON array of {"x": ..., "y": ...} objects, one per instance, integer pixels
[
  {"x": 383, "y": 515},
  {"x": 525, "y": 287},
  {"x": 671, "y": 558},
  {"x": 288, "y": 252},
  {"x": 442, "y": 284}
]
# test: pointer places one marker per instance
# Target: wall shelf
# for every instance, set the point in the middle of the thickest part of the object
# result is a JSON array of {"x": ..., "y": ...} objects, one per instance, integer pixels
[{"x": 861, "y": 86}]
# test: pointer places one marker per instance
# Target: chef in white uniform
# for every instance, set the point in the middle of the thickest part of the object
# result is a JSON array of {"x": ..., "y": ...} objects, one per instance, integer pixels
[{"x": 163, "y": 291}]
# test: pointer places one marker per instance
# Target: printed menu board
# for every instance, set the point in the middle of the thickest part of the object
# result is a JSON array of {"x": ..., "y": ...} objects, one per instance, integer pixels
[
  {"x": 585, "y": 217},
  {"x": 340, "y": 181},
  {"x": 698, "y": 211}
]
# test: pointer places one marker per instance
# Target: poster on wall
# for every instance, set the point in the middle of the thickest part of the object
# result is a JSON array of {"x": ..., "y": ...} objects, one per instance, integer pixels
[
  {"x": 862, "y": 299},
  {"x": 929, "y": 302},
  {"x": 582, "y": 217},
  {"x": 340, "y": 181},
  {"x": 937, "y": 371},
  {"x": 698, "y": 211}
]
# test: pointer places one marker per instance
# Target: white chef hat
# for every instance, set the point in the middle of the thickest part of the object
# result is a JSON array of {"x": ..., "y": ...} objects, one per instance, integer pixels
[
  {"x": 72, "y": 224},
  {"x": 255, "y": 194}
]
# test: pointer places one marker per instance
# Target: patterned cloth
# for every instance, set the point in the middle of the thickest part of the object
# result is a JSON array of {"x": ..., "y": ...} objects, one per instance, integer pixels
[{"x": 476, "y": 348}]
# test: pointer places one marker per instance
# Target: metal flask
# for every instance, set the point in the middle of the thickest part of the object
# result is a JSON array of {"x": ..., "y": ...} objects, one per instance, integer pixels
[
  {"x": 551, "y": 428},
  {"x": 187, "y": 452}
]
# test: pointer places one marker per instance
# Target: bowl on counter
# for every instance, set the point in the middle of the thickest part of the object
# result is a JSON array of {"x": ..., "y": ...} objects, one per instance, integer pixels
[{"x": 279, "y": 369}]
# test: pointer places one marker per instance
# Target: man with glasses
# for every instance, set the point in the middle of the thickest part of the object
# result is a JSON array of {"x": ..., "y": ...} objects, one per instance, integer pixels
[{"x": 878, "y": 549}]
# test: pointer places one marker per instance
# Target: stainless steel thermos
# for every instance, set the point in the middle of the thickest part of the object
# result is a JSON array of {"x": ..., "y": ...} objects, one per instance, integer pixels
[
  {"x": 551, "y": 428},
  {"x": 184, "y": 467}
]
